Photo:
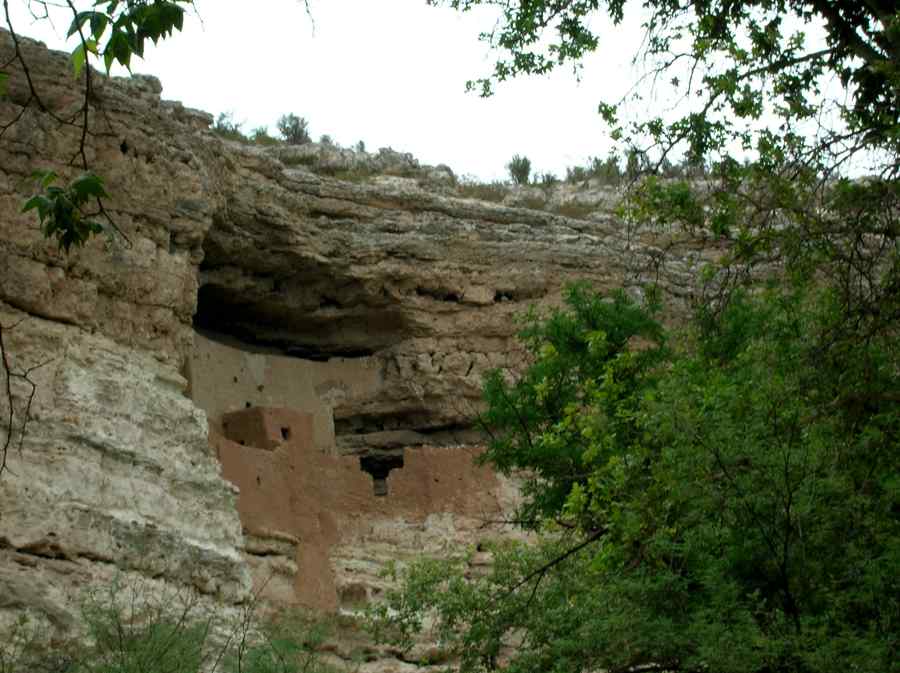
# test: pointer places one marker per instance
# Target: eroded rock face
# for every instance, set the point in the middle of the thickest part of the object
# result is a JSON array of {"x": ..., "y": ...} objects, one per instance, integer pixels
[
  {"x": 376, "y": 306},
  {"x": 115, "y": 476}
]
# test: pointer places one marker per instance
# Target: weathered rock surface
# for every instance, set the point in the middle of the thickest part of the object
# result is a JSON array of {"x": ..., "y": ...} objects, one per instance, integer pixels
[{"x": 375, "y": 305}]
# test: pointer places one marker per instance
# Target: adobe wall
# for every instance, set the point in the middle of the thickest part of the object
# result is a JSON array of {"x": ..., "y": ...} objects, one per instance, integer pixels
[
  {"x": 226, "y": 375},
  {"x": 319, "y": 526},
  {"x": 302, "y": 504}
]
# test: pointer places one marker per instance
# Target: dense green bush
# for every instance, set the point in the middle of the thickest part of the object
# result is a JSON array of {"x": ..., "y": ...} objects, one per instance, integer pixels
[{"x": 721, "y": 499}]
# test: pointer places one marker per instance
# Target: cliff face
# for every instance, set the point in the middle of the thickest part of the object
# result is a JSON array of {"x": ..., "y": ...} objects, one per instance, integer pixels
[{"x": 360, "y": 313}]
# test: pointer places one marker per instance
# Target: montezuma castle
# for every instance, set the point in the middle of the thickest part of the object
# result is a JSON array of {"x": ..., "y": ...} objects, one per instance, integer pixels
[{"x": 271, "y": 384}]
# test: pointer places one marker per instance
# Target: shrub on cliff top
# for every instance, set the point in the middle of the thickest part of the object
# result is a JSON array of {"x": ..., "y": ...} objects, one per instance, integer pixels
[
  {"x": 519, "y": 168},
  {"x": 294, "y": 129},
  {"x": 226, "y": 127},
  {"x": 260, "y": 136}
]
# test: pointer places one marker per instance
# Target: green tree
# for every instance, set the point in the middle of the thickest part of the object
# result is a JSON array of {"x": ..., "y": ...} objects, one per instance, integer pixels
[
  {"x": 726, "y": 502},
  {"x": 294, "y": 129},
  {"x": 780, "y": 120},
  {"x": 724, "y": 498},
  {"x": 519, "y": 168}
]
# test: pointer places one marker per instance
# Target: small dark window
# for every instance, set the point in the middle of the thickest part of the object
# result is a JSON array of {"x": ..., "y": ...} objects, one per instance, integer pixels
[
  {"x": 285, "y": 433},
  {"x": 379, "y": 467},
  {"x": 246, "y": 405}
]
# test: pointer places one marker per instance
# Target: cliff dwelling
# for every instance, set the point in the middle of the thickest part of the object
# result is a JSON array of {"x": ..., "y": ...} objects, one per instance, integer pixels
[{"x": 321, "y": 509}]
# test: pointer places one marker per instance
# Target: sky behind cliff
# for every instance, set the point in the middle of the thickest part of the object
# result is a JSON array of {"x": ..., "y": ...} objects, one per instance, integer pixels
[{"x": 390, "y": 73}]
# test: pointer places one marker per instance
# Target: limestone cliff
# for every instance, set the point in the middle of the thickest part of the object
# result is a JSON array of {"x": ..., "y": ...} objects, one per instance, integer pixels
[{"x": 358, "y": 314}]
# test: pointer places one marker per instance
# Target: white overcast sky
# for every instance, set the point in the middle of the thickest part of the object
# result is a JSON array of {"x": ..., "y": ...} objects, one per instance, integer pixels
[{"x": 388, "y": 72}]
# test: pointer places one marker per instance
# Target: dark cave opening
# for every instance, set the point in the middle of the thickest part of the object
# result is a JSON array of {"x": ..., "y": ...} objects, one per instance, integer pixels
[{"x": 221, "y": 318}]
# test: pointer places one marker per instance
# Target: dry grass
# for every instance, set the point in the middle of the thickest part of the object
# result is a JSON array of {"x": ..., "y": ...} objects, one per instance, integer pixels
[
  {"x": 493, "y": 191},
  {"x": 577, "y": 211}
]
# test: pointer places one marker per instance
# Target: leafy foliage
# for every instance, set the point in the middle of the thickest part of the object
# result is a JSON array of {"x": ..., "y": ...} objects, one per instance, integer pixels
[
  {"x": 61, "y": 210},
  {"x": 125, "y": 27},
  {"x": 519, "y": 168},
  {"x": 578, "y": 359},
  {"x": 691, "y": 498},
  {"x": 112, "y": 31},
  {"x": 132, "y": 628},
  {"x": 289, "y": 644}
]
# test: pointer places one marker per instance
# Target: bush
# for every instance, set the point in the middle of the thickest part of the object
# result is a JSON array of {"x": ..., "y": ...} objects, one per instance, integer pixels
[
  {"x": 607, "y": 171},
  {"x": 519, "y": 168},
  {"x": 227, "y": 128},
  {"x": 260, "y": 136},
  {"x": 326, "y": 140},
  {"x": 294, "y": 129},
  {"x": 722, "y": 499},
  {"x": 288, "y": 644},
  {"x": 576, "y": 174},
  {"x": 137, "y": 629}
]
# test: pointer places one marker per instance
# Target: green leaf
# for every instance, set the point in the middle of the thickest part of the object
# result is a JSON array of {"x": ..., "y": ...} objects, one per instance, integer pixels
[
  {"x": 44, "y": 178},
  {"x": 39, "y": 201},
  {"x": 118, "y": 48},
  {"x": 78, "y": 22},
  {"x": 4, "y": 78},
  {"x": 99, "y": 21},
  {"x": 78, "y": 59},
  {"x": 87, "y": 186}
]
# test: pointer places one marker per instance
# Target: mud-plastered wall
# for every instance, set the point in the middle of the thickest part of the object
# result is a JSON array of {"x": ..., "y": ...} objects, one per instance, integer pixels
[
  {"x": 319, "y": 526},
  {"x": 227, "y": 375}
]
